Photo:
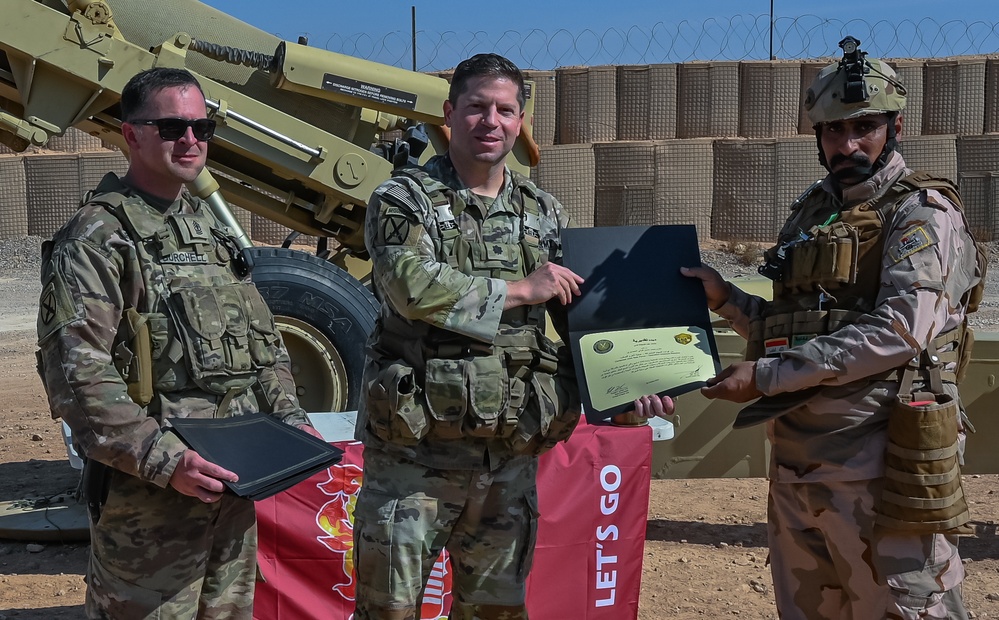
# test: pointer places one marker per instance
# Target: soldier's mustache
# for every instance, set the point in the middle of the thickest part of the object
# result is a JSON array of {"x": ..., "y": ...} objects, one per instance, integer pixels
[
  {"x": 857, "y": 160},
  {"x": 858, "y": 166}
]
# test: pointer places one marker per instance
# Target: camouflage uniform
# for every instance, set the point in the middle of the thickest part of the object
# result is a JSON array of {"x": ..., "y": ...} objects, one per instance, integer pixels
[
  {"x": 155, "y": 551},
  {"x": 827, "y": 468},
  {"x": 452, "y": 389}
]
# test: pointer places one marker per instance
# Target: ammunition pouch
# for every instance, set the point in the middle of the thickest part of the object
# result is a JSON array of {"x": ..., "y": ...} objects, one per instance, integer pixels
[
  {"x": 825, "y": 262},
  {"x": 509, "y": 394},
  {"x": 226, "y": 333},
  {"x": 922, "y": 489}
]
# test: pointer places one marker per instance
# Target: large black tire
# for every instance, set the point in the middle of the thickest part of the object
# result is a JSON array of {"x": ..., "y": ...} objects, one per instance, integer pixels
[{"x": 324, "y": 315}]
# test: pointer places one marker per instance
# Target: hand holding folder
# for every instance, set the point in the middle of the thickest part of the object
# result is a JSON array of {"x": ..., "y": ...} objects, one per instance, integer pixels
[{"x": 267, "y": 455}]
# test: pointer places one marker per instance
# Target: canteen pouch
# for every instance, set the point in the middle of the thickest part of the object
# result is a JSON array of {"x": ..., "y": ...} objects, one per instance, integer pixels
[{"x": 922, "y": 488}]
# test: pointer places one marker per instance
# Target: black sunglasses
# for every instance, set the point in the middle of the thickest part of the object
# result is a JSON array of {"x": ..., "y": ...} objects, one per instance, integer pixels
[{"x": 173, "y": 128}]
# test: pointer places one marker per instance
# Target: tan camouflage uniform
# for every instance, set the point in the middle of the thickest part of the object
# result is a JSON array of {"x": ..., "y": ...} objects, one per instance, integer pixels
[
  {"x": 155, "y": 552},
  {"x": 430, "y": 485},
  {"x": 828, "y": 456}
]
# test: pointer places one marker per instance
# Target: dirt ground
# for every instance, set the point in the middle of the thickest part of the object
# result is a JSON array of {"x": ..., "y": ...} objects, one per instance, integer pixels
[{"x": 705, "y": 552}]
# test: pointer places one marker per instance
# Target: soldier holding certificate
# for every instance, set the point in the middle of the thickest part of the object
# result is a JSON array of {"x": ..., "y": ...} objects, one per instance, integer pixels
[{"x": 865, "y": 339}]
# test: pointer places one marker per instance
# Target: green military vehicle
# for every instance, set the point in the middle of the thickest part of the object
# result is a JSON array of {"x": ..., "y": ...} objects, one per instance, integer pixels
[{"x": 303, "y": 139}]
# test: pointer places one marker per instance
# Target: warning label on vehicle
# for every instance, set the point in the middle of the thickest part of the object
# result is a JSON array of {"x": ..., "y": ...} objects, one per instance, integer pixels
[{"x": 371, "y": 92}]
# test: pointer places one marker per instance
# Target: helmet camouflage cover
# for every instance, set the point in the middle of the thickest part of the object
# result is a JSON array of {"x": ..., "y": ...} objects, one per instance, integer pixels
[{"x": 883, "y": 93}]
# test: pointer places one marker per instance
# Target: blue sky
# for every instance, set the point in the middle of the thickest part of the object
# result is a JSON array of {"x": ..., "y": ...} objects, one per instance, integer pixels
[{"x": 546, "y": 34}]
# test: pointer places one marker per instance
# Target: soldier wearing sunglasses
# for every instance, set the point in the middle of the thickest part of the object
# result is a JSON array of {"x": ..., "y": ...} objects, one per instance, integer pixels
[{"x": 143, "y": 318}]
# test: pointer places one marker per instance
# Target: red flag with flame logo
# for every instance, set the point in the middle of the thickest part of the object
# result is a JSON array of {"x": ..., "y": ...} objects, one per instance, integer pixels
[{"x": 593, "y": 495}]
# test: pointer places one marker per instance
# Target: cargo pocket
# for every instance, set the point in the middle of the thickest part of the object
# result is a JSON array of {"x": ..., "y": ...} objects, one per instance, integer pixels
[
  {"x": 489, "y": 396},
  {"x": 446, "y": 389},
  {"x": 920, "y": 591},
  {"x": 394, "y": 410},
  {"x": 119, "y": 598},
  {"x": 526, "y": 560}
]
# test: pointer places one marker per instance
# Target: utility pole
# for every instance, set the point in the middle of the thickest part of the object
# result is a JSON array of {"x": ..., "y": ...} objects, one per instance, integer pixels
[{"x": 771, "y": 30}]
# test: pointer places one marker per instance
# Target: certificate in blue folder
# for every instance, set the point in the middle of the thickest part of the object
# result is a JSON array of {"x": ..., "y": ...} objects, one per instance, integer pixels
[{"x": 639, "y": 327}]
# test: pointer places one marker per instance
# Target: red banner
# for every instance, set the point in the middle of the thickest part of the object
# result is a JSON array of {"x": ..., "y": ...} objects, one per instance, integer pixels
[{"x": 594, "y": 499}]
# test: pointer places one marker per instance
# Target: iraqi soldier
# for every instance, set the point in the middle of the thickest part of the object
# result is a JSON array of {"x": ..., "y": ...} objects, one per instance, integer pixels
[
  {"x": 463, "y": 390},
  {"x": 858, "y": 356},
  {"x": 145, "y": 316}
]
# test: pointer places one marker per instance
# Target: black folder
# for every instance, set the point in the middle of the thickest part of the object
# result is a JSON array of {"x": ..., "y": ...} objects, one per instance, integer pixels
[
  {"x": 268, "y": 455},
  {"x": 633, "y": 280}
]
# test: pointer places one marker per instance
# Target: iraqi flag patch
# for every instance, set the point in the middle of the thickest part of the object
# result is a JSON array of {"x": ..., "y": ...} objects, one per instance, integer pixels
[
  {"x": 910, "y": 242},
  {"x": 776, "y": 345}
]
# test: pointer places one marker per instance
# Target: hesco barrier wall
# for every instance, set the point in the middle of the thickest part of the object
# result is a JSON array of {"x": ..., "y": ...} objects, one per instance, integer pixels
[
  {"x": 748, "y": 116},
  {"x": 724, "y": 145}
]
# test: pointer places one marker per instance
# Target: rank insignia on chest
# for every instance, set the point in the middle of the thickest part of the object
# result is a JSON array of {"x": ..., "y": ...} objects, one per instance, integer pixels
[
  {"x": 776, "y": 345},
  {"x": 909, "y": 243}
]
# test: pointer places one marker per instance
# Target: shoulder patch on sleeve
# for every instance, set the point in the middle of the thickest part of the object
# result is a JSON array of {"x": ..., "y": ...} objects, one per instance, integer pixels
[
  {"x": 395, "y": 229},
  {"x": 911, "y": 241},
  {"x": 60, "y": 303}
]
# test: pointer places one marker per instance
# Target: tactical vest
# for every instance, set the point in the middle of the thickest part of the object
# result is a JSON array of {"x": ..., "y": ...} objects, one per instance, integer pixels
[
  {"x": 830, "y": 278},
  {"x": 199, "y": 325},
  {"x": 446, "y": 386},
  {"x": 831, "y": 272}
]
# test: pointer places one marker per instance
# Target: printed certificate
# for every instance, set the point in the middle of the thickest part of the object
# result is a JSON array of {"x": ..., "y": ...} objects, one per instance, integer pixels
[
  {"x": 623, "y": 365},
  {"x": 639, "y": 327}
]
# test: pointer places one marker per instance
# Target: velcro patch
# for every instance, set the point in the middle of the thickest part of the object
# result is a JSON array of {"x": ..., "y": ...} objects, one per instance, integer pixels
[
  {"x": 401, "y": 196},
  {"x": 776, "y": 345},
  {"x": 799, "y": 339},
  {"x": 910, "y": 242}
]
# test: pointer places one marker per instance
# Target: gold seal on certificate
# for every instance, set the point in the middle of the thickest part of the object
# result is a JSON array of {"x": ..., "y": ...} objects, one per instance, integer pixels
[{"x": 622, "y": 365}]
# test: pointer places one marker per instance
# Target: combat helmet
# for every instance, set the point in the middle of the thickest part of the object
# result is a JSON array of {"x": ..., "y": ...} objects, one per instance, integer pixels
[{"x": 855, "y": 86}]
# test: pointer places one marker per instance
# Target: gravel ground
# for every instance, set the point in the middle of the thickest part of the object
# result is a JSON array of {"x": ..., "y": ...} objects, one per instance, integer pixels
[{"x": 20, "y": 262}]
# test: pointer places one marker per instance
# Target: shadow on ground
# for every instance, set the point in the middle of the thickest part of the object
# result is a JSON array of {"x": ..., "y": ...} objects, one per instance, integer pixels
[
  {"x": 700, "y": 533},
  {"x": 35, "y": 478}
]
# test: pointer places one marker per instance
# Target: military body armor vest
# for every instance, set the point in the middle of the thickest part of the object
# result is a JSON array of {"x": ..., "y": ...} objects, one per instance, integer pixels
[
  {"x": 470, "y": 389},
  {"x": 202, "y": 326},
  {"x": 830, "y": 278}
]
